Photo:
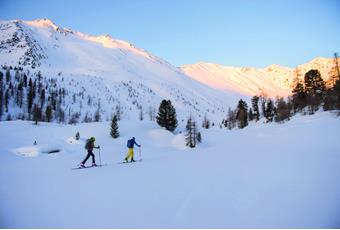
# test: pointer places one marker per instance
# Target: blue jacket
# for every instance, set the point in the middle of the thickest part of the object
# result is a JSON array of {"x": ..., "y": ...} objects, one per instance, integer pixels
[{"x": 131, "y": 143}]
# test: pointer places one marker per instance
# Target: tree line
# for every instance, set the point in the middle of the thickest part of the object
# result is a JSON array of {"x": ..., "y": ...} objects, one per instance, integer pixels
[{"x": 308, "y": 96}]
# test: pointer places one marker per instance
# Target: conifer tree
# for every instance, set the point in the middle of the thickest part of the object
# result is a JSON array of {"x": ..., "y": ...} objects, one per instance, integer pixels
[
  {"x": 36, "y": 113},
  {"x": 230, "y": 122},
  {"x": 42, "y": 98},
  {"x": 8, "y": 76},
  {"x": 114, "y": 127},
  {"x": 191, "y": 133},
  {"x": 167, "y": 117},
  {"x": 6, "y": 100},
  {"x": 199, "y": 137},
  {"x": 205, "y": 122},
  {"x": 141, "y": 114},
  {"x": 77, "y": 136},
  {"x": 48, "y": 113},
  {"x": 337, "y": 93},
  {"x": 118, "y": 111},
  {"x": 255, "y": 105},
  {"x": 334, "y": 73},
  {"x": 314, "y": 89},
  {"x": 269, "y": 110},
  {"x": 299, "y": 97},
  {"x": 242, "y": 114},
  {"x": 30, "y": 96},
  {"x": 250, "y": 115},
  {"x": 97, "y": 115},
  {"x": 282, "y": 110},
  {"x": 20, "y": 94}
]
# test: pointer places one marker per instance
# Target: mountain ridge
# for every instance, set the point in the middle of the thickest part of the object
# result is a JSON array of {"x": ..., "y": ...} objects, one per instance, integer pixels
[
  {"x": 273, "y": 80},
  {"x": 115, "y": 73}
]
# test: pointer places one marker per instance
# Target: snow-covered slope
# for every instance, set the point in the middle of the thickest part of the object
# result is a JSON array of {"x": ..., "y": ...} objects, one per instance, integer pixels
[
  {"x": 265, "y": 176},
  {"x": 111, "y": 71},
  {"x": 273, "y": 80},
  {"x": 99, "y": 73}
]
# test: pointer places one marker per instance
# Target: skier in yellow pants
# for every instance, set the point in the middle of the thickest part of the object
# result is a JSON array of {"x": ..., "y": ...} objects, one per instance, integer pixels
[{"x": 130, "y": 153}]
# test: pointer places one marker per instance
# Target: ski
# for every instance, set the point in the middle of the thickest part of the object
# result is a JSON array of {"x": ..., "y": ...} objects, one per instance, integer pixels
[
  {"x": 127, "y": 162},
  {"x": 86, "y": 167}
]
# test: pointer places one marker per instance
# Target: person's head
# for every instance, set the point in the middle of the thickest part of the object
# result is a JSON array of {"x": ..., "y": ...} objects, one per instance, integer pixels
[
  {"x": 133, "y": 138},
  {"x": 92, "y": 139}
]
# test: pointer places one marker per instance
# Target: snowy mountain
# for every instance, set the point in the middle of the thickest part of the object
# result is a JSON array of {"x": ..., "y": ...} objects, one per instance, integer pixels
[
  {"x": 107, "y": 71},
  {"x": 99, "y": 74},
  {"x": 273, "y": 80}
]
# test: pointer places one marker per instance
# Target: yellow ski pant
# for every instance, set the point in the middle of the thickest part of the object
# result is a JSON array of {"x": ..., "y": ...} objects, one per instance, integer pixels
[{"x": 129, "y": 154}]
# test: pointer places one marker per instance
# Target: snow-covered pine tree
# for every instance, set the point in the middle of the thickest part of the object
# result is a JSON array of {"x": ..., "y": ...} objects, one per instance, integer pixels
[{"x": 114, "y": 127}]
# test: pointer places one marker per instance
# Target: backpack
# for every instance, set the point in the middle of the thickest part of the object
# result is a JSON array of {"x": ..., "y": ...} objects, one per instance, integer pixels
[
  {"x": 87, "y": 145},
  {"x": 129, "y": 143}
]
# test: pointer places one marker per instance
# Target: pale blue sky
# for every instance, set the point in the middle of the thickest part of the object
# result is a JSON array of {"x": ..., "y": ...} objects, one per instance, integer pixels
[{"x": 234, "y": 33}]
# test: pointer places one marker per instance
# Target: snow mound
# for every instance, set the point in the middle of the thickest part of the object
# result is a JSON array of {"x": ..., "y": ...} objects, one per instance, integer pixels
[
  {"x": 27, "y": 151},
  {"x": 164, "y": 138},
  {"x": 35, "y": 150}
]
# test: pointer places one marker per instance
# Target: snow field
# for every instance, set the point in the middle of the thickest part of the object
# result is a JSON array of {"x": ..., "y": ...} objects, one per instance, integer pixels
[{"x": 264, "y": 176}]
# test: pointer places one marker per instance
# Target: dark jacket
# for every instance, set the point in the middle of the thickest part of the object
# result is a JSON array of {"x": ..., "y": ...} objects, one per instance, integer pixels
[
  {"x": 90, "y": 146},
  {"x": 131, "y": 143}
]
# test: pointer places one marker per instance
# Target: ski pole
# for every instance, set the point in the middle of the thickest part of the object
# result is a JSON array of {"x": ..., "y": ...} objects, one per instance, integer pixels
[
  {"x": 100, "y": 158},
  {"x": 140, "y": 154}
]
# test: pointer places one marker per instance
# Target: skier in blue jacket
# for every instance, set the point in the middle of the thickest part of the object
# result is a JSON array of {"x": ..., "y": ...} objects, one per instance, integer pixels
[{"x": 130, "y": 152}]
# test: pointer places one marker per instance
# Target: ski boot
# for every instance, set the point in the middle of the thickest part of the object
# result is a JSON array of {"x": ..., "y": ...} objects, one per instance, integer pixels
[
  {"x": 94, "y": 165},
  {"x": 82, "y": 165},
  {"x": 132, "y": 160}
]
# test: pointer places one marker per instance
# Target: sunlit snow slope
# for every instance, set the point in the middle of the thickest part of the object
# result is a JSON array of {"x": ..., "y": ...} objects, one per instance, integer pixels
[
  {"x": 110, "y": 70},
  {"x": 273, "y": 80}
]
